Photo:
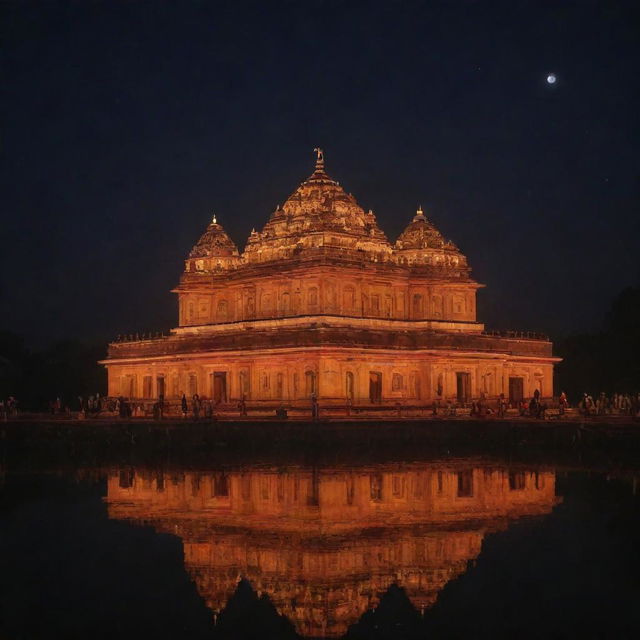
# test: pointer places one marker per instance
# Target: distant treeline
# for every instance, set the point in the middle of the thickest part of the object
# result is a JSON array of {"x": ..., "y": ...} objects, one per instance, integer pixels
[
  {"x": 608, "y": 360},
  {"x": 64, "y": 370}
]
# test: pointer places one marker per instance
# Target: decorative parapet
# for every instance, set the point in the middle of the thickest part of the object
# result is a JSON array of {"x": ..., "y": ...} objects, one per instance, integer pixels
[{"x": 322, "y": 335}]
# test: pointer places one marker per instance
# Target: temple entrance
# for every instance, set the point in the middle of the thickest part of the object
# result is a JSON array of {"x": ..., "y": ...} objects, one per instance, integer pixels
[
  {"x": 375, "y": 387},
  {"x": 516, "y": 390},
  {"x": 160, "y": 386},
  {"x": 147, "y": 387},
  {"x": 219, "y": 386},
  {"x": 463, "y": 386},
  {"x": 128, "y": 386}
]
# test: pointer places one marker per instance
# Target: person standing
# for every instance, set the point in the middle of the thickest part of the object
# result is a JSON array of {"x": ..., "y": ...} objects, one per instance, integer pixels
[
  {"x": 184, "y": 405},
  {"x": 502, "y": 405},
  {"x": 243, "y": 406},
  {"x": 563, "y": 403},
  {"x": 195, "y": 405}
]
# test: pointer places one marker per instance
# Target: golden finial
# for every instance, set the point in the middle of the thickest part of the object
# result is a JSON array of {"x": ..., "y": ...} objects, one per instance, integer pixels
[
  {"x": 215, "y": 221},
  {"x": 320, "y": 158}
]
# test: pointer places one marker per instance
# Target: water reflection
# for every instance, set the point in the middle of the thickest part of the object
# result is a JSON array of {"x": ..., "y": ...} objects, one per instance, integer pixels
[{"x": 325, "y": 543}]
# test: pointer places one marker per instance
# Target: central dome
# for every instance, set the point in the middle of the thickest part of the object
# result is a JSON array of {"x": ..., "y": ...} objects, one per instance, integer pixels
[{"x": 319, "y": 213}]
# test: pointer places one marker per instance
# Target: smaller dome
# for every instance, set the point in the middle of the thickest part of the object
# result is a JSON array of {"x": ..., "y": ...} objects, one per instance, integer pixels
[
  {"x": 214, "y": 243},
  {"x": 422, "y": 245},
  {"x": 421, "y": 234}
]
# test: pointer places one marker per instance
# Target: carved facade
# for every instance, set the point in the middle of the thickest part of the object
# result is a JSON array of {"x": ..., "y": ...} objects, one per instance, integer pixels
[
  {"x": 324, "y": 544},
  {"x": 320, "y": 302}
]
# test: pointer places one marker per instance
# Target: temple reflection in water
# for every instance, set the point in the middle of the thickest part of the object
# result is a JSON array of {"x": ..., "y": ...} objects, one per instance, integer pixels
[{"x": 324, "y": 544}]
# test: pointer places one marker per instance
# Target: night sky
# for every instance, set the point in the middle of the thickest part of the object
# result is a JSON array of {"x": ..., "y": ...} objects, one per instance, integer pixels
[{"x": 127, "y": 125}]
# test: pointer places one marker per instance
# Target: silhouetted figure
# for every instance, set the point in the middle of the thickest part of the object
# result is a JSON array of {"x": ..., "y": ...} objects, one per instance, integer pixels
[
  {"x": 195, "y": 406},
  {"x": 242, "y": 405},
  {"x": 534, "y": 405},
  {"x": 184, "y": 406},
  {"x": 502, "y": 406},
  {"x": 563, "y": 403}
]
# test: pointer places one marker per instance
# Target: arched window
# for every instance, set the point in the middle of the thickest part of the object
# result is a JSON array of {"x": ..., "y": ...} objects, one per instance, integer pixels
[
  {"x": 286, "y": 303},
  {"x": 388, "y": 306},
  {"x": 313, "y": 296},
  {"x": 310, "y": 383},
  {"x": 396, "y": 382},
  {"x": 440, "y": 385},
  {"x": 437, "y": 306},
  {"x": 223, "y": 310},
  {"x": 349, "y": 385},
  {"x": 279, "y": 385},
  {"x": 250, "y": 307}
]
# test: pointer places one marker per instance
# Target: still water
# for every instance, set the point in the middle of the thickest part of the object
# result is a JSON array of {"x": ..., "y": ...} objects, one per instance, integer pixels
[{"x": 444, "y": 548}]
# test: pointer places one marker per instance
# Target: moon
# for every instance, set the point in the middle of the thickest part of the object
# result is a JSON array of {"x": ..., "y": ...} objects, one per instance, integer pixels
[{"x": 551, "y": 78}]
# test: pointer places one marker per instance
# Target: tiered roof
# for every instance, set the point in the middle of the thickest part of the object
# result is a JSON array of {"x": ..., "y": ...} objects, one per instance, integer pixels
[
  {"x": 321, "y": 218},
  {"x": 214, "y": 243}
]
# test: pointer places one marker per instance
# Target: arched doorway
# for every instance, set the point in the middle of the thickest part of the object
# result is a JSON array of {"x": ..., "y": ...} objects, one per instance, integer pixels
[
  {"x": 463, "y": 386},
  {"x": 375, "y": 387},
  {"x": 219, "y": 386}
]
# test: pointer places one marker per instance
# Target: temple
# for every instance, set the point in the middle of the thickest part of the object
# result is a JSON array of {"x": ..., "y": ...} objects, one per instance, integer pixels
[
  {"x": 321, "y": 304},
  {"x": 325, "y": 543}
]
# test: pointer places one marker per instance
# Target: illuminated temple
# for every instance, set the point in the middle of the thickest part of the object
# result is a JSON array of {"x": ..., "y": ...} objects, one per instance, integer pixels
[
  {"x": 324, "y": 544},
  {"x": 320, "y": 303}
]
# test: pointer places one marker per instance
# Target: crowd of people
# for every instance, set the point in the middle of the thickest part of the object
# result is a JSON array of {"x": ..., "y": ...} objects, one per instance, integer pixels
[
  {"x": 197, "y": 407},
  {"x": 622, "y": 404}
]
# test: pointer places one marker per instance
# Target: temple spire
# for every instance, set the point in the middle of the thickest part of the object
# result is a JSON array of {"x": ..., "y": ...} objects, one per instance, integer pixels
[
  {"x": 419, "y": 214},
  {"x": 319, "y": 159}
]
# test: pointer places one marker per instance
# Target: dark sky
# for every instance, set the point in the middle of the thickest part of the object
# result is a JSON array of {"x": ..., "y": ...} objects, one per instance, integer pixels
[{"x": 125, "y": 125}]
